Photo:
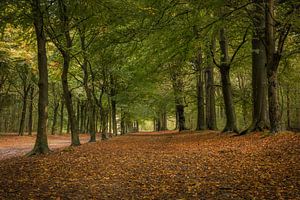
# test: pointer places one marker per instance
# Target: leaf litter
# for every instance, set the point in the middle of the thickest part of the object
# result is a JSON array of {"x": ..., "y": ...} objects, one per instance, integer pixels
[{"x": 190, "y": 165}]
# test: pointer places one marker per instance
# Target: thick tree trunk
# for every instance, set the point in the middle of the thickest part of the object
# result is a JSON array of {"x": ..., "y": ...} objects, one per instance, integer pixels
[
  {"x": 158, "y": 124},
  {"x": 259, "y": 76},
  {"x": 273, "y": 101},
  {"x": 273, "y": 59},
  {"x": 181, "y": 117},
  {"x": 226, "y": 85},
  {"x": 41, "y": 143},
  {"x": 164, "y": 121},
  {"x": 30, "y": 117}
]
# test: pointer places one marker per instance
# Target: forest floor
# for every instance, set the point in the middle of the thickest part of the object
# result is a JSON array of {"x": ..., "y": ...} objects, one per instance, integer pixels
[
  {"x": 204, "y": 165},
  {"x": 12, "y": 145}
]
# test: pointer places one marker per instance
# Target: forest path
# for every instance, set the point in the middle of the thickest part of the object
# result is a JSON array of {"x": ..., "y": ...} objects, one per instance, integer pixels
[
  {"x": 206, "y": 165},
  {"x": 12, "y": 145}
]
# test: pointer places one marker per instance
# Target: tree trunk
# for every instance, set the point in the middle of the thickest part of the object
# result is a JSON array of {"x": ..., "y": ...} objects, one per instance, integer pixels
[
  {"x": 113, "y": 104},
  {"x": 41, "y": 143},
  {"x": 114, "y": 116},
  {"x": 123, "y": 118},
  {"x": 259, "y": 76},
  {"x": 55, "y": 112},
  {"x": 68, "y": 101},
  {"x": 210, "y": 100},
  {"x": 164, "y": 121},
  {"x": 200, "y": 93},
  {"x": 61, "y": 117},
  {"x": 24, "y": 109},
  {"x": 30, "y": 117},
  {"x": 65, "y": 29},
  {"x": 178, "y": 94},
  {"x": 226, "y": 85},
  {"x": 288, "y": 109},
  {"x": 211, "y": 121},
  {"x": 273, "y": 59}
]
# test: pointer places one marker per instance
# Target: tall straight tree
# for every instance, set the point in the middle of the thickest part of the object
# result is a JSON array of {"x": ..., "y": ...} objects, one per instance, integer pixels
[
  {"x": 273, "y": 53},
  {"x": 41, "y": 143},
  {"x": 200, "y": 91},
  {"x": 211, "y": 122},
  {"x": 259, "y": 77}
]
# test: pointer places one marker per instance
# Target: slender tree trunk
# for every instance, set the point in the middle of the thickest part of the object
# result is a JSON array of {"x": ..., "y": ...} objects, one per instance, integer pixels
[
  {"x": 113, "y": 105},
  {"x": 210, "y": 100},
  {"x": 78, "y": 115},
  {"x": 288, "y": 109},
  {"x": 64, "y": 77},
  {"x": 41, "y": 143},
  {"x": 30, "y": 117},
  {"x": 200, "y": 93},
  {"x": 55, "y": 112},
  {"x": 90, "y": 103},
  {"x": 226, "y": 85},
  {"x": 211, "y": 121},
  {"x": 24, "y": 109},
  {"x": 114, "y": 116},
  {"x": 68, "y": 101},
  {"x": 61, "y": 117},
  {"x": 123, "y": 118}
]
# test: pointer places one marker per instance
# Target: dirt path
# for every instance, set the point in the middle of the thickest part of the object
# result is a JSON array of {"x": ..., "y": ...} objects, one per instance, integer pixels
[
  {"x": 172, "y": 166},
  {"x": 12, "y": 145}
]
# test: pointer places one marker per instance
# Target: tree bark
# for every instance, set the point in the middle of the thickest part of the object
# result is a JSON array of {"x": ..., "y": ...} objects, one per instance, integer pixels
[
  {"x": 226, "y": 85},
  {"x": 61, "y": 117},
  {"x": 178, "y": 94},
  {"x": 288, "y": 109},
  {"x": 64, "y": 77},
  {"x": 259, "y": 76},
  {"x": 68, "y": 101},
  {"x": 211, "y": 121},
  {"x": 55, "y": 112},
  {"x": 273, "y": 58},
  {"x": 164, "y": 121},
  {"x": 113, "y": 105},
  {"x": 41, "y": 143},
  {"x": 200, "y": 92},
  {"x": 26, "y": 89},
  {"x": 30, "y": 117}
]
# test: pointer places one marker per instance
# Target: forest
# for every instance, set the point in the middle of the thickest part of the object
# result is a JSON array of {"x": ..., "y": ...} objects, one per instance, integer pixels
[{"x": 216, "y": 78}]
